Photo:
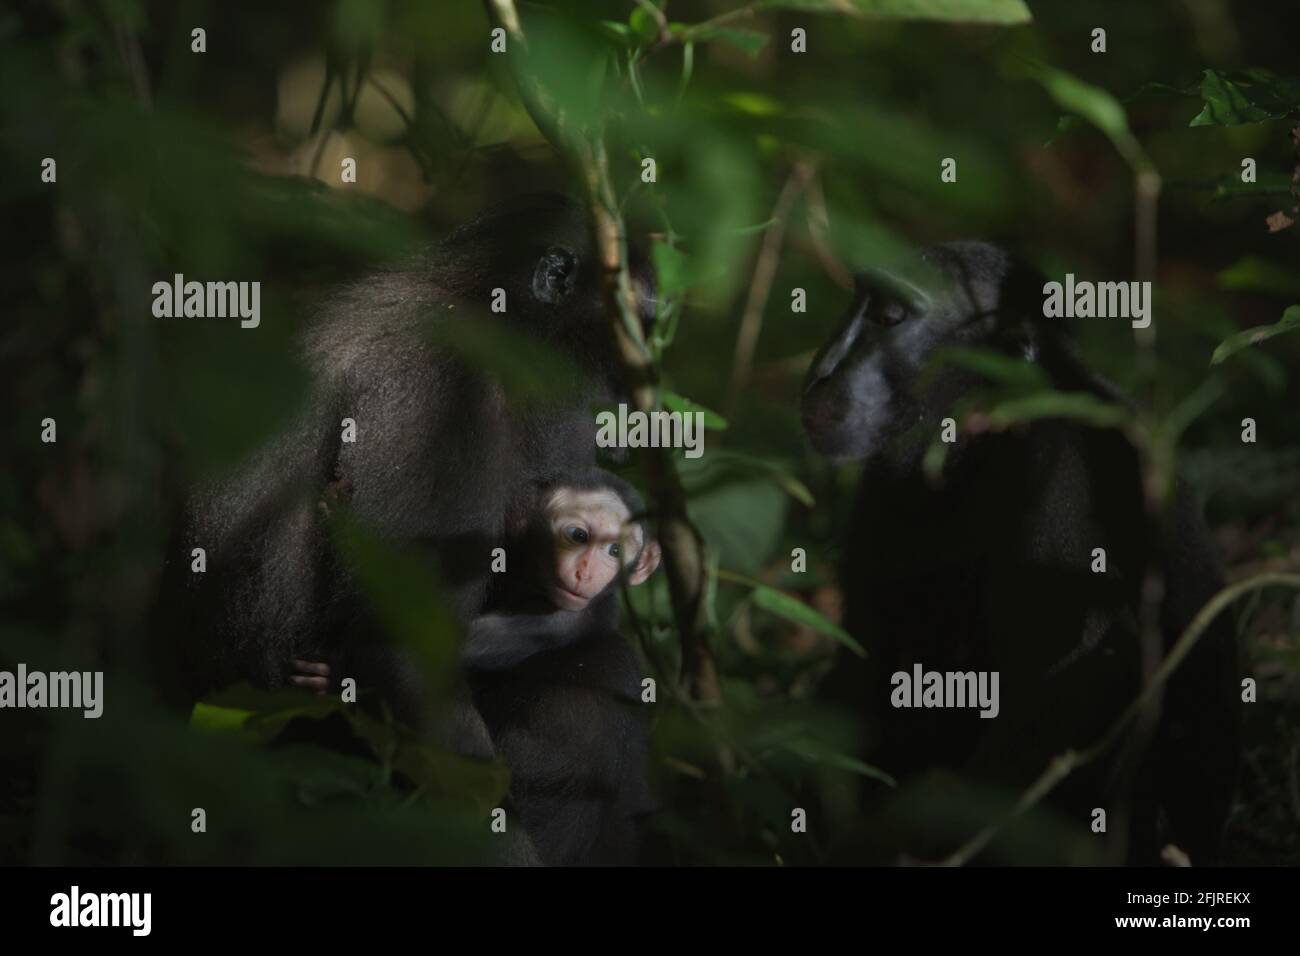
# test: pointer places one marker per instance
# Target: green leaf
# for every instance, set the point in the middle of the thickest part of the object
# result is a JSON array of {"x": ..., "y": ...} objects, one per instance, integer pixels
[
  {"x": 676, "y": 403},
  {"x": 214, "y": 719},
  {"x": 750, "y": 41},
  {"x": 261, "y": 714},
  {"x": 1066, "y": 123},
  {"x": 536, "y": 373},
  {"x": 1246, "y": 96},
  {"x": 1099, "y": 108},
  {"x": 1079, "y": 406},
  {"x": 677, "y": 271},
  {"x": 997, "y": 367},
  {"x": 965, "y": 11},
  {"x": 402, "y": 586},
  {"x": 643, "y": 25},
  {"x": 444, "y": 775},
  {"x": 756, "y": 228},
  {"x": 619, "y": 32},
  {"x": 741, "y": 520},
  {"x": 234, "y": 389},
  {"x": 724, "y": 466},
  {"x": 815, "y": 751},
  {"x": 1092, "y": 103},
  {"x": 671, "y": 268},
  {"x": 1289, "y": 322},
  {"x": 792, "y": 609},
  {"x": 753, "y": 104}
]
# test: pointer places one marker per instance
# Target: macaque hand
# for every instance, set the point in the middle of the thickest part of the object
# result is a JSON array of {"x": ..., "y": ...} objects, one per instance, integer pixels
[{"x": 311, "y": 675}]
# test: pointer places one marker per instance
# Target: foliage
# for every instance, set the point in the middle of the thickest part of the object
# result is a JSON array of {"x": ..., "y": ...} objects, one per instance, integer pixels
[{"x": 225, "y": 164}]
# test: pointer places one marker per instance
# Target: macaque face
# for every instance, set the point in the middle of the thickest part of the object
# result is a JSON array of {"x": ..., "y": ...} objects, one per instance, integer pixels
[
  {"x": 871, "y": 380},
  {"x": 592, "y": 539}
]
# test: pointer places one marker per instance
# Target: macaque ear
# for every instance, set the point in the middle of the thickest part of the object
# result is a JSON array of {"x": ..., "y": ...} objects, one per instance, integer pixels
[{"x": 646, "y": 563}]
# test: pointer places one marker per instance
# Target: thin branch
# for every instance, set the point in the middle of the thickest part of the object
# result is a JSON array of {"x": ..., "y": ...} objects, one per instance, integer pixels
[
  {"x": 683, "y": 547},
  {"x": 760, "y": 287},
  {"x": 819, "y": 231},
  {"x": 1064, "y": 764},
  {"x": 128, "y": 48},
  {"x": 1146, "y": 201}
]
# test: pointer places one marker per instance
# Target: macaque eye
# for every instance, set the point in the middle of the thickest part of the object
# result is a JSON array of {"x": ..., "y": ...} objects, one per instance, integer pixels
[
  {"x": 884, "y": 310},
  {"x": 615, "y": 550},
  {"x": 576, "y": 535}
]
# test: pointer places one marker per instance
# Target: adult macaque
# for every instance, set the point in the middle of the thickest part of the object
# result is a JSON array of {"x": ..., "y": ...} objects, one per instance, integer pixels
[
  {"x": 440, "y": 451},
  {"x": 995, "y": 569}
]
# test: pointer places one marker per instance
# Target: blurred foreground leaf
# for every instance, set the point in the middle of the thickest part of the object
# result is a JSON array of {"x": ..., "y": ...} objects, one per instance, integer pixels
[
  {"x": 675, "y": 403},
  {"x": 1096, "y": 105},
  {"x": 403, "y": 588},
  {"x": 528, "y": 371},
  {"x": 815, "y": 751},
  {"x": 725, "y": 466},
  {"x": 261, "y": 716},
  {"x": 444, "y": 775},
  {"x": 792, "y": 609},
  {"x": 750, "y": 41},
  {"x": 997, "y": 367},
  {"x": 1078, "y": 406},
  {"x": 1256, "y": 274},
  {"x": 741, "y": 519}
]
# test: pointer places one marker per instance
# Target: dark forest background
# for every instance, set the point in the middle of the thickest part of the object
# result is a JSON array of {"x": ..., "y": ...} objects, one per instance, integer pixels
[{"x": 776, "y": 170}]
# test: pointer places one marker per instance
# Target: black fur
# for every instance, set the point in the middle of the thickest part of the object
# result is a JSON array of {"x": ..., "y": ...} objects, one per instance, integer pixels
[
  {"x": 440, "y": 453},
  {"x": 991, "y": 570},
  {"x": 572, "y": 729},
  {"x": 559, "y": 694},
  {"x": 520, "y": 619}
]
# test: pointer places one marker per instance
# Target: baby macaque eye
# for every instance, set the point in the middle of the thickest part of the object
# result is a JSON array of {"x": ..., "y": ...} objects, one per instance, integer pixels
[
  {"x": 615, "y": 550},
  {"x": 576, "y": 535}
]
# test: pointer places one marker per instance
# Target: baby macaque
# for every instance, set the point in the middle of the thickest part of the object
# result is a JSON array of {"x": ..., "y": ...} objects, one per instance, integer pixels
[
  {"x": 578, "y": 537},
  {"x": 575, "y": 539},
  {"x": 552, "y": 686}
]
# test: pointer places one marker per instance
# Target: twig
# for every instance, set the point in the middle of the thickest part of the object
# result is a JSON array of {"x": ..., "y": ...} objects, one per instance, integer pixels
[
  {"x": 128, "y": 47},
  {"x": 1146, "y": 201},
  {"x": 683, "y": 548},
  {"x": 760, "y": 287},
  {"x": 1062, "y": 765},
  {"x": 819, "y": 231}
]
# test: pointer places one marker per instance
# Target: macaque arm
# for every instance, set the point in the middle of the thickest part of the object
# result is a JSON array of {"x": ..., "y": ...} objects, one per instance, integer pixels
[{"x": 500, "y": 641}]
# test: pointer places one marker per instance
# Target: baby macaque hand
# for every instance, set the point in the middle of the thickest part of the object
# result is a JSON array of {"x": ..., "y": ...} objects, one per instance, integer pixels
[{"x": 311, "y": 675}]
